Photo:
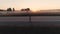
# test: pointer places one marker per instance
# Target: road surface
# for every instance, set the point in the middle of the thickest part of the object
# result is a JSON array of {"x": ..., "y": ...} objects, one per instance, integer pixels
[{"x": 35, "y": 21}]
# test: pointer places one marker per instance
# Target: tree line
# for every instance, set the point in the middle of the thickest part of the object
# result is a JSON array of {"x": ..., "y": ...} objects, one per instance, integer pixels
[{"x": 10, "y": 9}]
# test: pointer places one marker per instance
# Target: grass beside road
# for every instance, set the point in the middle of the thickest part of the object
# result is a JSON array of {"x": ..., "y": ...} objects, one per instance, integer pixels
[{"x": 32, "y": 14}]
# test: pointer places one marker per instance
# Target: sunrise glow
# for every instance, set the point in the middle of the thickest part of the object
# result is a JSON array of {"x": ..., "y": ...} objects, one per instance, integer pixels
[{"x": 33, "y": 4}]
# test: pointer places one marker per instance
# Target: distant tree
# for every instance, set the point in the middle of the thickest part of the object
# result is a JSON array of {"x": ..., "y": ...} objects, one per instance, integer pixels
[
  {"x": 13, "y": 9},
  {"x": 9, "y": 9},
  {"x": 22, "y": 9},
  {"x": 27, "y": 9},
  {"x": 1, "y": 10}
]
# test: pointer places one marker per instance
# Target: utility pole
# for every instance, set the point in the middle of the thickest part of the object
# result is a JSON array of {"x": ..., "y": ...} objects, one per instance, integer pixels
[
  {"x": 29, "y": 15},
  {"x": 30, "y": 18},
  {"x": 13, "y": 9}
]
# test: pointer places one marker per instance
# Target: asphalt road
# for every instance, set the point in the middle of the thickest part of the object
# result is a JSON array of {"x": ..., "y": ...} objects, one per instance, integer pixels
[{"x": 35, "y": 21}]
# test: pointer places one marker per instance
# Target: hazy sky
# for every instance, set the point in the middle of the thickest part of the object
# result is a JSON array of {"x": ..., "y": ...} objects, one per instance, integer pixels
[{"x": 33, "y": 4}]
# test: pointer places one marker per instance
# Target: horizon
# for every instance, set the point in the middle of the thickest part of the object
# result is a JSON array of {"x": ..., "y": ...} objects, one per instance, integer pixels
[{"x": 30, "y": 9}]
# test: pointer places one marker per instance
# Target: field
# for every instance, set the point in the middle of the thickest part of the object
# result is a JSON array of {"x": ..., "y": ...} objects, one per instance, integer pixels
[{"x": 24, "y": 13}]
